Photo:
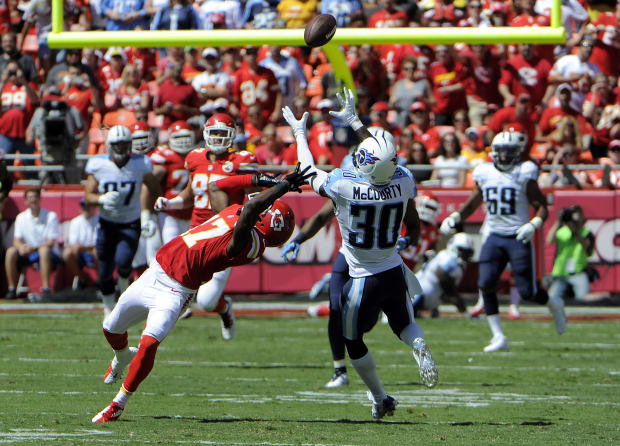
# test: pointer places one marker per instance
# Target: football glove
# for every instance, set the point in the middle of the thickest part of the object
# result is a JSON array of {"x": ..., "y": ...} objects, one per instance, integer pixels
[
  {"x": 298, "y": 178},
  {"x": 162, "y": 203},
  {"x": 264, "y": 180},
  {"x": 298, "y": 127},
  {"x": 148, "y": 226},
  {"x": 291, "y": 248},
  {"x": 448, "y": 226},
  {"x": 110, "y": 200},
  {"x": 402, "y": 243},
  {"x": 525, "y": 232},
  {"x": 347, "y": 113}
]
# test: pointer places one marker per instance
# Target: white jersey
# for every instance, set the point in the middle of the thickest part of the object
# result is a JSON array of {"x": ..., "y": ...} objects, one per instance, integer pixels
[
  {"x": 127, "y": 180},
  {"x": 370, "y": 218},
  {"x": 427, "y": 276},
  {"x": 505, "y": 195}
]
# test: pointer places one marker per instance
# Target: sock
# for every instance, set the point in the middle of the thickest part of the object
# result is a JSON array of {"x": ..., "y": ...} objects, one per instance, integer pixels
[
  {"x": 366, "y": 367},
  {"x": 123, "y": 283},
  {"x": 410, "y": 333},
  {"x": 496, "y": 325},
  {"x": 480, "y": 301},
  {"x": 142, "y": 363},
  {"x": 340, "y": 364},
  {"x": 515, "y": 298},
  {"x": 117, "y": 341},
  {"x": 109, "y": 300},
  {"x": 122, "y": 396},
  {"x": 222, "y": 305}
]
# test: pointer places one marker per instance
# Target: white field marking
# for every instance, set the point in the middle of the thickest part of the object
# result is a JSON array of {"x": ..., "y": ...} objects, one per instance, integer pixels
[
  {"x": 19, "y": 435},
  {"x": 579, "y": 345}
]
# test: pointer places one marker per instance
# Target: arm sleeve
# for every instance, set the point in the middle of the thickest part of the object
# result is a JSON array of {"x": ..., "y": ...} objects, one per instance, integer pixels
[
  {"x": 305, "y": 158},
  {"x": 237, "y": 182}
]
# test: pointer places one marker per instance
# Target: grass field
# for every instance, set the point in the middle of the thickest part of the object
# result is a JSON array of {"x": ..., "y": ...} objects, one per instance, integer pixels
[{"x": 266, "y": 386}]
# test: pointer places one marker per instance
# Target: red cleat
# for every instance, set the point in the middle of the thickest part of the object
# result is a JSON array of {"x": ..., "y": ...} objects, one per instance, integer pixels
[{"x": 109, "y": 414}]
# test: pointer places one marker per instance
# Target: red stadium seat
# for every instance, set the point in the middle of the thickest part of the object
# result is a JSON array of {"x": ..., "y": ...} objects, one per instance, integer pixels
[{"x": 119, "y": 117}]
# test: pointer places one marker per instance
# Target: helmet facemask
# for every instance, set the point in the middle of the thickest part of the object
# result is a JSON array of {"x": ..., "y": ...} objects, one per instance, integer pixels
[{"x": 219, "y": 139}]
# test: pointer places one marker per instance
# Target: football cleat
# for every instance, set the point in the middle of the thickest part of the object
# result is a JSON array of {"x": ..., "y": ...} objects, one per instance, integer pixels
[
  {"x": 338, "y": 380},
  {"x": 513, "y": 312},
  {"x": 109, "y": 414},
  {"x": 117, "y": 366},
  {"x": 556, "y": 306},
  {"x": 322, "y": 286},
  {"x": 477, "y": 311},
  {"x": 385, "y": 407},
  {"x": 187, "y": 314},
  {"x": 229, "y": 321},
  {"x": 428, "y": 370},
  {"x": 497, "y": 343}
]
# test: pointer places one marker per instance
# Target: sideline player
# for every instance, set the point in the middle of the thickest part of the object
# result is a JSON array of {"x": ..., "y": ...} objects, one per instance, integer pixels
[
  {"x": 508, "y": 188},
  {"x": 370, "y": 202},
  {"x": 114, "y": 183},
  {"x": 206, "y": 166},
  {"x": 235, "y": 236}
]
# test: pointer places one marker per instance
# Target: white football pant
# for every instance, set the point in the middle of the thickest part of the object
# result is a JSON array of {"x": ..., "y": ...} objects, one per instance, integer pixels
[{"x": 209, "y": 293}]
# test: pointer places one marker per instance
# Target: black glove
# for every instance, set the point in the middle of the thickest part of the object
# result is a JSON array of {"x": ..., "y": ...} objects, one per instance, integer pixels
[
  {"x": 298, "y": 178},
  {"x": 264, "y": 180}
]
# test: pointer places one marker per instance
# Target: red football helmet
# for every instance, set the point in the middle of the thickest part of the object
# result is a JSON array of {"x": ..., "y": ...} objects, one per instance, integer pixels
[
  {"x": 219, "y": 132},
  {"x": 181, "y": 137},
  {"x": 427, "y": 206},
  {"x": 277, "y": 223},
  {"x": 141, "y": 141}
]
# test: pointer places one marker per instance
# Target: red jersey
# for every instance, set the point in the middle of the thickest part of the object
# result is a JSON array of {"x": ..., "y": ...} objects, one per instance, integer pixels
[
  {"x": 483, "y": 77},
  {"x": 392, "y": 57},
  {"x": 144, "y": 59},
  {"x": 441, "y": 76},
  {"x": 81, "y": 99},
  {"x": 16, "y": 111},
  {"x": 606, "y": 51},
  {"x": 194, "y": 256},
  {"x": 523, "y": 77},
  {"x": 203, "y": 171},
  {"x": 5, "y": 17},
  {"x": 109, "y": 79},
  {"x": 429, "y": 234},
  {"x": 259, "y": 87},
  {"x": 320, "y": 138},
  {"x": 175, "y": 179},
  {"x": 385, "y": 19},
  {"x": 176, "y": 95},
  {"x": 431, "y": 138},
  {"x": 131, "y": 101},
  {"x": 507, "y": 116}
]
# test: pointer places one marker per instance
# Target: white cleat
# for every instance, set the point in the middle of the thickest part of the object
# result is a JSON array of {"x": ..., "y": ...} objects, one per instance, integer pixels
[
  {"x": 497, "y": 343},
  {"x": 229, "y": 321},
  {"x": 338, "y": 380},
  {"x": 556, "y": 307},
  {"x": 428, "y": 369},
  {"x": 118, "y": 365}
]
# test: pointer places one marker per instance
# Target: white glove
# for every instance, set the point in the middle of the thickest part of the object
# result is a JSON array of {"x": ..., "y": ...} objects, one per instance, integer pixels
[
  {"x": 110, "y": 200},
  {"x": 161, "y": 204},
  {"x": 298, "y": 127},
  {"x": 148, "y": 225},
  {"x": 525, "y": 232},
  {"x": 448, "y": 225},
  {"x": 348, "y": 113}
]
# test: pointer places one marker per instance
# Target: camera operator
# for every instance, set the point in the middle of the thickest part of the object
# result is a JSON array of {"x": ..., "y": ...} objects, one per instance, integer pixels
[{"x": 574, "y": 244}]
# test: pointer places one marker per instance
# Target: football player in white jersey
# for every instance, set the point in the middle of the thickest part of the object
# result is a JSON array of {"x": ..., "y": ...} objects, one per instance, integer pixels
[
  {"x": 508, "y": 188},
  {"x": 114, "y": 184},
  {"x": 440, "y": 276},
  {"x": 370, "y": 202}
]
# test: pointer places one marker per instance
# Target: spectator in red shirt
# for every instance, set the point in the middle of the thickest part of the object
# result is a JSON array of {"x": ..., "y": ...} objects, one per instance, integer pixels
[
  {"x": 254, "y": 125},
  {"x": 253, "y": 84},
  {"x": 388, "y": 16},
  {"x": 110, "y": 74},
  {"x": 321, "y": 133},
  {"x": 447, "y": 77},
  {"x": 422, "y": 129},
  {"x": 272, "y": 150},
  {"x": 79, "y": 93},
  {"x": 192, "y": 67},
  {"x": 528, "y": 17},
  {"x": 483, "y": 75},
  {"x": 521, "y": 113},
  {"x": 176, "y": 99},
  {"x": 525, "y": 73},
  {"x": 606, "y": 51},
  {"x": 379, "y": 113},
  {"x": 19, "y": 100},
  {"x": 600, "y": 95},
  {"x": 552, "y": 116},
  {"x": 132, "y": 93},
  {"x": 368, "y": 71}
]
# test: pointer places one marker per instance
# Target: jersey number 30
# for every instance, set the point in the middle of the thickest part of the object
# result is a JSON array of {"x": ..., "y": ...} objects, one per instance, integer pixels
[
  {"x": 385, "y": 235},
  {"x": 501, "y": 200}
]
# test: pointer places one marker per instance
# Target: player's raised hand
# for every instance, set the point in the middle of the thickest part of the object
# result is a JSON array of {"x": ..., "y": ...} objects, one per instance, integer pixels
[
  {"x": 298, "y": 126},
  {"x": 110, "y": 200},
  {"x": 525, "y": 232},
  {"x": 448, "y": 226},
  {"x": 161, "y": 204},
  {"x": 347, "y": 102},
  {"x": 298, "y": 178},
  {"x": 291, "y": 248},
  {"x": 264, "y": 180}
]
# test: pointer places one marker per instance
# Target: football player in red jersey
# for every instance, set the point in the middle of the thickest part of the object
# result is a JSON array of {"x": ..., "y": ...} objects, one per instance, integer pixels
[
  {"x": 141, "y": 138},
  {"x": 428, "y": 209},
  {"x": 235, "y": 236},
  {"x": 206, "y": 166}
]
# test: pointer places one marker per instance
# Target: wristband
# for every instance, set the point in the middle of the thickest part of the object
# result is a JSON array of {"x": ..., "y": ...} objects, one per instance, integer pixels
[
  {"x": 300, "y": 238},
  {"x": 456, "y": 215},
  {"x": 175, "y": 203},
  {"x": 356, "y": 124},
  {"x": 536, "y": 222}
]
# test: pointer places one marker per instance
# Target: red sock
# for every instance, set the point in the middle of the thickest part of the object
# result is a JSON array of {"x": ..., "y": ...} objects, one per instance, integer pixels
[
  {"x": 116, "y": 341},
  {"x": 221, "y": 305},
  {"x": 142, "y": 363}
]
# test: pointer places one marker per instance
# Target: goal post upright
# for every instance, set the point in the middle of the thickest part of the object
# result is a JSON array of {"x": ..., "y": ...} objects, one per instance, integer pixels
[{"x": 554, "y": 34}]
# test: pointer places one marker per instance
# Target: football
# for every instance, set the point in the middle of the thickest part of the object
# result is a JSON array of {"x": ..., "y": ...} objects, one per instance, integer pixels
[{"x": 320, "y": 30}]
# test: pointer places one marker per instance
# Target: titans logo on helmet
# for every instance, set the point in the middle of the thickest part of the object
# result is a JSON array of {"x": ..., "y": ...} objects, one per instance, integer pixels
[{"x": 363, "y": 158}]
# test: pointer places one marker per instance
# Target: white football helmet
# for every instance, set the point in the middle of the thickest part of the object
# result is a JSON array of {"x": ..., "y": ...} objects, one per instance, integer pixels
[
  {"x": 141, "y": 140},
  {"x": 462, "y": 246},
  {"x": 427, "y": 207},
  {"x": 506, "y": 149},
  {"x": 380, "y": 132},
  {"x": 375, "y": 159},
  {"x": 181, "y": 138},
  {"x": 118, "y": 144}
]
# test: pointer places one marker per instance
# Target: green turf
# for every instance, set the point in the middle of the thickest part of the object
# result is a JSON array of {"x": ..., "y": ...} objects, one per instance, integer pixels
[{"x": 266, "y": 386}]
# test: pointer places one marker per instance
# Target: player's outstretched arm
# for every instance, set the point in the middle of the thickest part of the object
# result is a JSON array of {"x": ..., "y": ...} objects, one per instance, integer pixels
[
  {"x": 348, "y": 114},
  {"x": 308, "y": 230},
  {"x": 303, "y": 151},
  {"x": 448, "y": 226},
  {"x": 259, "y": 203},
  {"x": 219, "y": 190}
]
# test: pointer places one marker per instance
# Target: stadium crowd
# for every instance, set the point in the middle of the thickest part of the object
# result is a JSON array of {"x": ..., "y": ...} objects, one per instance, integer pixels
[{"x": 443, "y": 103}]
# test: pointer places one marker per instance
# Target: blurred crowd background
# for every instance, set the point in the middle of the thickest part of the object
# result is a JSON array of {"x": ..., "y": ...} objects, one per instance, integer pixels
[{"x": 443, "y": 103}]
